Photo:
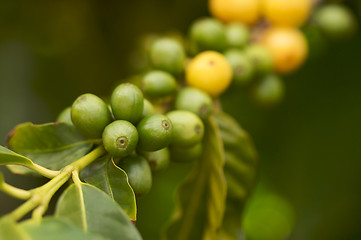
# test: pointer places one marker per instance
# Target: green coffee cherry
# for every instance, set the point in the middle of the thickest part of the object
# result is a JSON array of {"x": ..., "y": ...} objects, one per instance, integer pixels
[
  {"x": 148, "y": 109},
  {"x": 242, "y": 66},
  {"x": 155, "y": 132},
  {"x": 167, "y": 54},
  {"x": 237, "y": 35},
  {"x": 139, "y": 174},
  {"x": 194, "y": 100},
  {"x": 158, "y": 160},
  {"x": 65, "y": 116},
  {"x": 90, "y": 115},
  {"x": 158, "y": 84},
  {"x": 260, "y": 58},
  {"x": 179, "y": 154},
  {"x": 269, "y": 91},
  {"x": 127, "y": 102},
  {"x": 335, "y": 21},
  {"x": 120, "y": 138},
  {"x": 188, "y": 128},
  {"x": 208, "y": 34}
]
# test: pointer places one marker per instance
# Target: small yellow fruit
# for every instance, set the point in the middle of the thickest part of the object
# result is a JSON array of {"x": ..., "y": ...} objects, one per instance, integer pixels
[
  {"x": 244, "y": 11},
  {"x": 288, "y": 48},
  {"x": 210, "y": 72},
  {"x": 287, "y": 13}
]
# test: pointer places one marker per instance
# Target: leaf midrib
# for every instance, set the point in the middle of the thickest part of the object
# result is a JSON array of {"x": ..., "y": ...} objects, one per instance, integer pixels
[{"x": 58, "y": 149}]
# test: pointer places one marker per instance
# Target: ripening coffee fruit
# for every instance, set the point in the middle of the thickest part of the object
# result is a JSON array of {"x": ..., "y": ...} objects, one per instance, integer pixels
[
  {"x": 167, "y": 54},
  {"x": 194, "y": 100},
  {"x": 182, "y": 154},
  {"x": 155, "y": 132},
  {"x": 244, "y": 11},
  {"x": 188, "y": 128},
  {"x": 260, "y": 57},
  {"x": 127, "y": 103},
  {"x": 210, "y": 72},
  {"x": 90, "y": 115},
  {"x": 335, "y": 21},
  {"x": 269, "y": 91},
  {"x": 148, "y": 109},
  {"x": 288, "y": 48},
  {"x": 65, "y": 116},
  {"x": 158, "y": 160},
  {"x": 139, "y": 174},
  {"x": 158, "y": 84},
  {"x": 207, "y": 34},
  {"x": 287, "y": 13},
  {"x": 237, "y": 35},
  {"x": 243, "y": 69},
  {"x": 120, "y": 138}
]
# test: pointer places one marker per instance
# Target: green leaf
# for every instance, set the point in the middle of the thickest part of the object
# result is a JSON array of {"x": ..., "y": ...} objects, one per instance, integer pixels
[
  {"x": 9, "y": 229},
  {"x": 107, "y": 176},
  {"x": 93, "y": 211},
  {"x": 9, "y": 157},
  {"x": 201, "y": 198},
  {"x": 50, "y": 145},
  {"x": 240, "y": 171},
  {"x": 56, "y": 229}
]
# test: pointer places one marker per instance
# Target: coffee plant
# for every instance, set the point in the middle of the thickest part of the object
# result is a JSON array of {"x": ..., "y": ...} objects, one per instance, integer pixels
[{"x": 105, "y": 152}]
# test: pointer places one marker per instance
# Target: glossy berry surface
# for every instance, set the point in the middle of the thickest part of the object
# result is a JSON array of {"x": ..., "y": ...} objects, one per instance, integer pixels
[
  {"x": 120, "y": 138},
  {"x": 287, "y": 13},
  {"x": 188, "y": 128},
  {"x": 243, "y": 69},
  {"x": 90, "y": 115},
  {"x": 139, "y": 174},
  {"x": 194, "y": 100},
  {"x": 288, "y": 48},
  {"x": 210, "y": 72},
  {"x": 260, "y": 57},
  {"x": 269, "y": 91},
  {"x": 208, "y": 34},
  {"x": 158, "y": 84},
  {"x": 158, "y": 160},
  {"x": 127, "y": 103},
  {"x": 155, "y": 132},
  {"x": 335, "y": 21},
  {"x": 167, "y": 54},
  {"x": 237, "y": 35},
  {"x": 148, "y": 108},
  {"x": 244, "y": 11}
]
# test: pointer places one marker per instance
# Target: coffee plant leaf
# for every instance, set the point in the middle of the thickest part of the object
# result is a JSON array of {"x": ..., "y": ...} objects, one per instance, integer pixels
[
  {"x": 107, "y": 176},
  {"x": 201, "y": 197},
  {"x": 9, "y": 229},
  {"x": 9, "y": 157},
  {"x": 56, "y": 229},
  {"x": 50, "y": 145},
  {"x": 240, "y": 171},
  {"x": 94, "y": 211}
]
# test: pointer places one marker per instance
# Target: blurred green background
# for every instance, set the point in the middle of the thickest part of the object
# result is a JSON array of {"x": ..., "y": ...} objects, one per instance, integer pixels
[{"x": 309, "y": 146}]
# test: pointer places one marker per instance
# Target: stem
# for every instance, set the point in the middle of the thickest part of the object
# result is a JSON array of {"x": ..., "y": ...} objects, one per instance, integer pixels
[
  {"x": 15, "y": 192},
  {"x": 89, "y": 158},
  {"x": 40, "y": 197},
  {"x": 43, "y": 171},
  {"x": 23, "y": 209}
]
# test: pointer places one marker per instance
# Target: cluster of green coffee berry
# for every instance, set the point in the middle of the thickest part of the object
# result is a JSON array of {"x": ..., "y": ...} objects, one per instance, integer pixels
[{"x": 134, "y": 134}]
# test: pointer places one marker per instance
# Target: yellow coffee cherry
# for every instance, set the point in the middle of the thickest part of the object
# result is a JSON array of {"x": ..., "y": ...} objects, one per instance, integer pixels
[
  {"x": 244, "y": 11},
  {"x": 288, "y": 48},
  {"x": 286, "y": 13},
  {"x": 210, "y": 72}
]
